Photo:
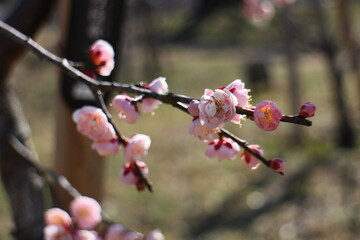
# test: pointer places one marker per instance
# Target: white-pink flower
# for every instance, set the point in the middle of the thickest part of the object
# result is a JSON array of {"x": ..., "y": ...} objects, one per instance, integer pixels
[
  {"x": 57, "y": 217},
  {"x": 200, "y": 131},
  {"x": 258, "y": 12},
  {"x": 86, "y": 212},
  {"x": 137, "y": 147},
  {"x": 85, "y": 235},
  {"x": 54, "y": 232},
  {"x": 106, "y": 148},
  {"x": 154, "y": 235},
  {"x": 237, "y": 87},
  {"x": 250, "y": 160},
  {"x": 102, "y": 55},
  {"x": 92, "y": 122},
  {"x": 217, "y": 107},
  {"x": 129, "y": 174},
  {"x": 119, "y": 232},
  {"x": 193, "y": 108},
  {"x": 125, "y": 108},
  {"x": 224, "y": 148},
  {"x": 267, "y": 115},
  {"x": 157, "y": 85}
]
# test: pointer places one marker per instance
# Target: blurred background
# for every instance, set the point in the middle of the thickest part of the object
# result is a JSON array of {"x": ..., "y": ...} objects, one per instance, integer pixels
[{"x": 305, "y": 51}]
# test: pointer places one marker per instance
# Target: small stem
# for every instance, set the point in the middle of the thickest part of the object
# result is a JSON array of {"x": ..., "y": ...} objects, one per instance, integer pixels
[
  {"x": 100, "y": 100},
  {"x": 143, "y": 178}
]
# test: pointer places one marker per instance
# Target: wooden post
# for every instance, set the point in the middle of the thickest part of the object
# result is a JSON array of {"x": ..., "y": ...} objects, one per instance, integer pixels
[{"x": 84, "y": 22}]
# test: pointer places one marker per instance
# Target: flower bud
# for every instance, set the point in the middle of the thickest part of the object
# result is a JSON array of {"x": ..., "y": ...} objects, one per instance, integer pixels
[
  {"x": 102, "y": 56},
  {"x": 277, "y": 165},
  {"x": 307, "y": 110},
  {"x": 250, "y": 160},
  {"x": 130, "y": 175},
  {"x": 267, "y": 115}
]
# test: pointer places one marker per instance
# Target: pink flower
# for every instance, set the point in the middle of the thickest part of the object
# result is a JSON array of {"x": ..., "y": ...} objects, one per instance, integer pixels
[
  {"x": 137, "y": 147},
  {"x": 223, "y": 148},
  {"x": 106, "y": 148},
  {"x": 159, "y": 86},
  {"x": 258, "y": 12},
  {"x": 129, "y": 174},
  {"x": 119, "y": 232},
  {"x": 193, "y": 108},
  {"x": 237, "y": 88},
  {"x": 250, "y": 160},
  {"x": 307, "y": 110},
  {"x": 102, "y": 55},
  {"x": 85, "y": 235},
  {"x": 92, "y": 122},
  {"x": 202, "y": 132},
  {"x": 217, "y": 107},
  {"x": 57, "y": 217},
  {"x": 54, "y": 232},
  {"x": 154, "y": 235},
  {"x": 86, "y": 212},
  {"x": 277, "y": 165},
  {"x": 126, "y": 108},
  {"x": 267, "y": 115}
]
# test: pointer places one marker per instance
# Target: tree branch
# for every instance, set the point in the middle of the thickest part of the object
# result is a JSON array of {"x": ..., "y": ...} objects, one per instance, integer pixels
[{"x": 169, "y": 98}]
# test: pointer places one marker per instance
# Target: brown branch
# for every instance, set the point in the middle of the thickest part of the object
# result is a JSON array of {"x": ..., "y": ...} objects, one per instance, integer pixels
[{"x": 169, "y": 98}]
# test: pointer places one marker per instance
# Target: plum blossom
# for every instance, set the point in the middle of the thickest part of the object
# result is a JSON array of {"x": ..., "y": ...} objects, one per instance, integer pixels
[
  {"x": 154, "y": 235},
  {"x": 307, "y": 110},
  {"x": 126, "y": 108},
  {"x": 258, "y": 12},
  {"x": 193, "y": 108},
  {"x": 85, "y": 235},
  {"x": 200, "y": 131},
  {"x": 267, "y": 115},
  {"x": 237, "y": 87},
  {"x": 159, "y": 86},
  {"x": 129, "y": 174},
  {"x": 217, "y": 107},
  {"x": 278, "y": 165},
  {"x": 250, "y": 160},
  {"x": 57, "y": 217},
  {"x": 102, "y": 56},
  {"x": 137, "y": 147},
  {"x": 119, "y": 232},
  {"x": 107, "y": 147},
  {"x": 54, "y": 232},
  {"x": 86, "y": 212},
  {"x": 92, "y": 122},
  {"x": 223, "y": 148}
]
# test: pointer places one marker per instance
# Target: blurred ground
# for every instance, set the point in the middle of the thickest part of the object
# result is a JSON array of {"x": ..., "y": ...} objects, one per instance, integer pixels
[{"x": 200, "y": 198}]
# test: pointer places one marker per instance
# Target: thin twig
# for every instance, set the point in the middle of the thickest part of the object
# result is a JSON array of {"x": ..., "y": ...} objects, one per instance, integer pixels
[
  {"x": 68, "y": 66},
  {"x": 121, "y": 138}
]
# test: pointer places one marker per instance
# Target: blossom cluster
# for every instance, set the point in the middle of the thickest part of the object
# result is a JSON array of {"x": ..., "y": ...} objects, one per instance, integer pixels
[
  {"x": 210, "y": 113},
  {"x": 220, "y": 106},
  {"x": 83, "y": 224},
  {"x": 93, "y": 123}
]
